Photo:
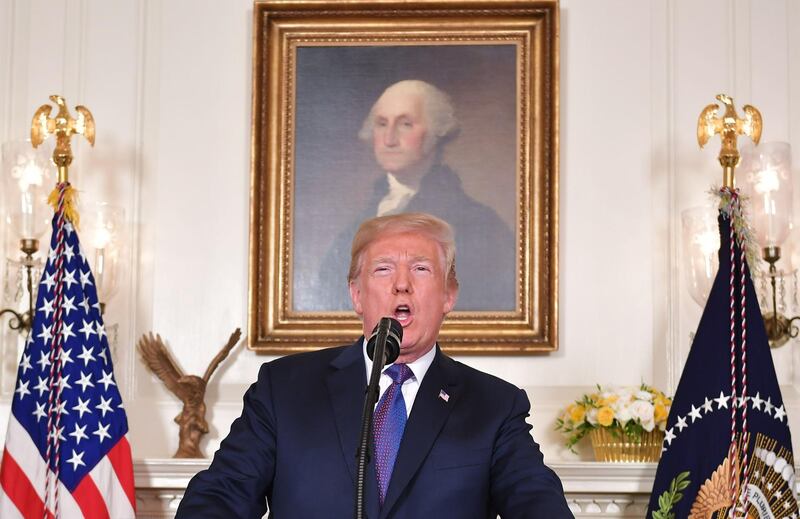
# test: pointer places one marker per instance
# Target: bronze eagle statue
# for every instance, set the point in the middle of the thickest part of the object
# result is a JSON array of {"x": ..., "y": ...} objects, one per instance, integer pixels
[{"x": 190, "y": 389}]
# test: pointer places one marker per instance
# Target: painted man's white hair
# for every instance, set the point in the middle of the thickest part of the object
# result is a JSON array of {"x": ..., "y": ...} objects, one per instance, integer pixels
[{"x": 437, "y": 110}]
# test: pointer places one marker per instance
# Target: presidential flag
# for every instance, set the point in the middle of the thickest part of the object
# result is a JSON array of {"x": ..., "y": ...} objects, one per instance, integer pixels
[
  {"x": 727, "y": 449},
  {"x": 66, "y": 453}
]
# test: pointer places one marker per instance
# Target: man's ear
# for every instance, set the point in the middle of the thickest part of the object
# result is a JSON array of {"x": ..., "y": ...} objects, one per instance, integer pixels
[
  {"x": 451, "y": 296},
  {"x": 355, "y": 297}
]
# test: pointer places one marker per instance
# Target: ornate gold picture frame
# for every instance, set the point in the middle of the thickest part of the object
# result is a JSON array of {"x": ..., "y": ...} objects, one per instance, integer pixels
[{"x": 318, "y": 69}]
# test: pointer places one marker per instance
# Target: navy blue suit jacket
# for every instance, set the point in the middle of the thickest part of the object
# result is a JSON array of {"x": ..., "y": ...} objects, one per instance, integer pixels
[{"x": 294, "y": 446}]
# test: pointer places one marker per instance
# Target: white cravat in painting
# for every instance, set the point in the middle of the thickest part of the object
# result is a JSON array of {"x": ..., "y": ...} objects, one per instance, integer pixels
[{"x": 397, "y": 198}]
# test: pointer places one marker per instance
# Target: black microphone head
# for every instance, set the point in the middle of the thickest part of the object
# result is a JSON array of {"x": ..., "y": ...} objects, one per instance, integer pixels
[{"x": 394, "y": 336}]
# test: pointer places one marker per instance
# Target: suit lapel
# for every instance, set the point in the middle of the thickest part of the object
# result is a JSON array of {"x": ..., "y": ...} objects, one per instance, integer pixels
[
  {"x": 427, "y": 418},
  {"x": 347, "y": 382}
]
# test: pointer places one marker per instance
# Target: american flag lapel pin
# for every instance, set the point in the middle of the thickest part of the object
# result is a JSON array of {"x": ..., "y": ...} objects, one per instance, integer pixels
[{"x": 444, "y": 396}]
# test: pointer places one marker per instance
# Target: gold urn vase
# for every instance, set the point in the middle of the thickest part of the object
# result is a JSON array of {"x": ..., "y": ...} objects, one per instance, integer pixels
[{"x": 626, "y": 449}]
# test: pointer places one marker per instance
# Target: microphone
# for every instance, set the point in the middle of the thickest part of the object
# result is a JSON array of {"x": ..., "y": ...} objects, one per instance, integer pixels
[
  {"x": 385, "y": 345},
  {"x": 390, "y": 332}
]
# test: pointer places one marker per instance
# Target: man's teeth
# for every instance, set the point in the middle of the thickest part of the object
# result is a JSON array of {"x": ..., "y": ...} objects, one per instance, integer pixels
[{"x": 402, "y": 313}]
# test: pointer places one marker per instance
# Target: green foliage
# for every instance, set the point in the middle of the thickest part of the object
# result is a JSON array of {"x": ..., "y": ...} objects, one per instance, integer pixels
[
  {"x": 669, "y": 498},
  {"x": 741, "y": 226}
]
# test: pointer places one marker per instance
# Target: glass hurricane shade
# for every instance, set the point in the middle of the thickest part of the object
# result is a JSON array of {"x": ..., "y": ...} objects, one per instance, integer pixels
[
  {"x": 766, "y": 179},
  {"x": 28, "y": 177},
  {"x": 100, "y": 238},
  {"x": 700, "y": 247}
]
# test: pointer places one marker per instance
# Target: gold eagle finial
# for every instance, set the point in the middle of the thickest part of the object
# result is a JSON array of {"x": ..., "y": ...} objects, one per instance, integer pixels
[
  {"x": 729, "y": 126},
  {"x": 64, "y": 126}
]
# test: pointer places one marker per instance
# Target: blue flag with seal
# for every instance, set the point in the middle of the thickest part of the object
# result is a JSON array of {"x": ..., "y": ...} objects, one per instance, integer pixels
[{"x": 727, "y": 448}]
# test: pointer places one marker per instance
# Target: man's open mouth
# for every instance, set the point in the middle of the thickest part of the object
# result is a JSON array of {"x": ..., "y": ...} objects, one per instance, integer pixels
[{"x": 403, "y": 314}]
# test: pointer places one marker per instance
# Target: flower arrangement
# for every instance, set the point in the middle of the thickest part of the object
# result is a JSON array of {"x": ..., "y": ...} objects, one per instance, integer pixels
[{"x": 625, "y": 412}]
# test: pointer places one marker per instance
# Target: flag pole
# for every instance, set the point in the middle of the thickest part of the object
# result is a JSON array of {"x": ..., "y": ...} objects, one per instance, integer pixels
[
  {"x": 729, "y": 127},
  {"x": 63, "y": 199}
]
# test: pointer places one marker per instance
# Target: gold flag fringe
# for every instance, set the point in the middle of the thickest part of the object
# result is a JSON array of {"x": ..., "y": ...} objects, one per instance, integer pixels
[{"x": 70, "y": 203}]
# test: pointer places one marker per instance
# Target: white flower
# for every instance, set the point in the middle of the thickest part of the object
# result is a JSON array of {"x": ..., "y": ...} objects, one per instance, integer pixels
[
  {"x": 648, "y": 425},
  {"x": 647, "y": 396},
  {"x": 624, "y": 392},
  {"x": 605, "y": 395},
  {"x": 591, "y": 416},
  {"x": 642, "y": 412},
  {"x": 622, "y": 414}
]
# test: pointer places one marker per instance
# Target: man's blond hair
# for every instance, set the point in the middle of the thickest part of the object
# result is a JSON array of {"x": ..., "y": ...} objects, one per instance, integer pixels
[{"x": 418, "y": 223}]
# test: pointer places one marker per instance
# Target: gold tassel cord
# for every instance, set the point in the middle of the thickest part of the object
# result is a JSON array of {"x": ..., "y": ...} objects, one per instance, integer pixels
[{"x": 70, "y": 203}]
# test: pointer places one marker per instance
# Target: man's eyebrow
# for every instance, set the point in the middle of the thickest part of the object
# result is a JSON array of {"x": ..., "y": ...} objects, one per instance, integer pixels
[
  {"x": 404, "y": 115},
  {"x": 382, "y": 259}
]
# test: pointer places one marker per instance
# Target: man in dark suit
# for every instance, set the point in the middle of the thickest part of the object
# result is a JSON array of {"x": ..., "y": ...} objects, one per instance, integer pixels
[{"x": 450, "y": 441}]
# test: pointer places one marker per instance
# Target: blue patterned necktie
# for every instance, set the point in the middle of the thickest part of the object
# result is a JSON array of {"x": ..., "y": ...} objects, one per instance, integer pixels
[{"x": 388, "y": 426}]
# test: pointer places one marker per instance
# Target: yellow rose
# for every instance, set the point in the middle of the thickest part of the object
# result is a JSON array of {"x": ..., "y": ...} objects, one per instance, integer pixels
[
  {"x": 576, "y": 413},
  {"x": 660, "y": 412},
  {"x": 661, "y": 399},
  {"x": 608, "y": 400},
  {"x": 605, "y": 416}
]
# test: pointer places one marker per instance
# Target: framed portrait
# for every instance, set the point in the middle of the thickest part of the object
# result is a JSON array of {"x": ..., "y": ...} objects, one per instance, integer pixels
[{"x": 332, "y": 84}]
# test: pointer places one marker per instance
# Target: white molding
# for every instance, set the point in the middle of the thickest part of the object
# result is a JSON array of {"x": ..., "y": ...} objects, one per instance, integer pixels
[
  {"x": 6, "y": 59},
  {"x": 146, "y": 158},
  {"x": 6, "y": 82},
  {"x": 167, "y": 473},
  {"x": 18, "y": 114},
  {"x": 595, "y": 489},
  {"x": 740, "y": 44},
  {"x": 590, "y": 476},
  {"x": 14, "y": 22},
  {"x": 576, "y": 477},
  {"x": 74, "y": 68},
  {"x": 666, "y": 130}
]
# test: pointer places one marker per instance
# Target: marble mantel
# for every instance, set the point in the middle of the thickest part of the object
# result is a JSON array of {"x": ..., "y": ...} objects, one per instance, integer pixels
[{"x": 592, "y": 489}]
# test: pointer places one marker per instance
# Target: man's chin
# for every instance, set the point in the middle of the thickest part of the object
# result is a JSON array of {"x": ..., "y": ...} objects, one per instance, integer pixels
[
  {"x": 394, "y": 169},
  {"x": 409, "y": 354}
]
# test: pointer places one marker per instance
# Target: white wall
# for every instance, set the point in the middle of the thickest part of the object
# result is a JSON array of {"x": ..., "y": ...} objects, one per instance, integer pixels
[{"x": 169, "y": 84}]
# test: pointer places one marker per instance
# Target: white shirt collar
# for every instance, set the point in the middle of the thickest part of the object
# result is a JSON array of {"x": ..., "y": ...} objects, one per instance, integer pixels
[{"x": 419, "y": 367}]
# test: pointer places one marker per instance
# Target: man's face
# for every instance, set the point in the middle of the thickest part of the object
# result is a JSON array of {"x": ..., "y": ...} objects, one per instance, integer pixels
[
  {"x": 402, "y": 276},
  {"x": 398, "y": 132}
]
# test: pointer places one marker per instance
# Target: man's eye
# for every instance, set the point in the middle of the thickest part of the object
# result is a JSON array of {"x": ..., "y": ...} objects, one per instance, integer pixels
[
  {"x": 380, "y": 123},
  {"x": 422, "y": 268}
]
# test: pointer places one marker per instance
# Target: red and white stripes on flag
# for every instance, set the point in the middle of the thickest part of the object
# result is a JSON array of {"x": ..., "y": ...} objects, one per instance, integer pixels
[{"x": 105, "y": 492}]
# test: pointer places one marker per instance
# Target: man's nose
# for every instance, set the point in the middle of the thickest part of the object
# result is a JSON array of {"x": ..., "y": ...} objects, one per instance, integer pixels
[
  {"x": 390, "y": 136},
  {"x": 402, "y": 283}
]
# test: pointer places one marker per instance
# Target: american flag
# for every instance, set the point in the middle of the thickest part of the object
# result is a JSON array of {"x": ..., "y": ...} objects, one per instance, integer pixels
[{"x": 67, "y": 412}]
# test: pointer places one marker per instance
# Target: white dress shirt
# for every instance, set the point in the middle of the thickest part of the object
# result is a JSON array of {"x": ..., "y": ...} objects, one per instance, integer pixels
[{"x": 410, "y": 387}]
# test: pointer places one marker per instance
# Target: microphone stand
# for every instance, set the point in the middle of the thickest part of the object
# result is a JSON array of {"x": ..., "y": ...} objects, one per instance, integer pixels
[{"x": 364, "y": 451}]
